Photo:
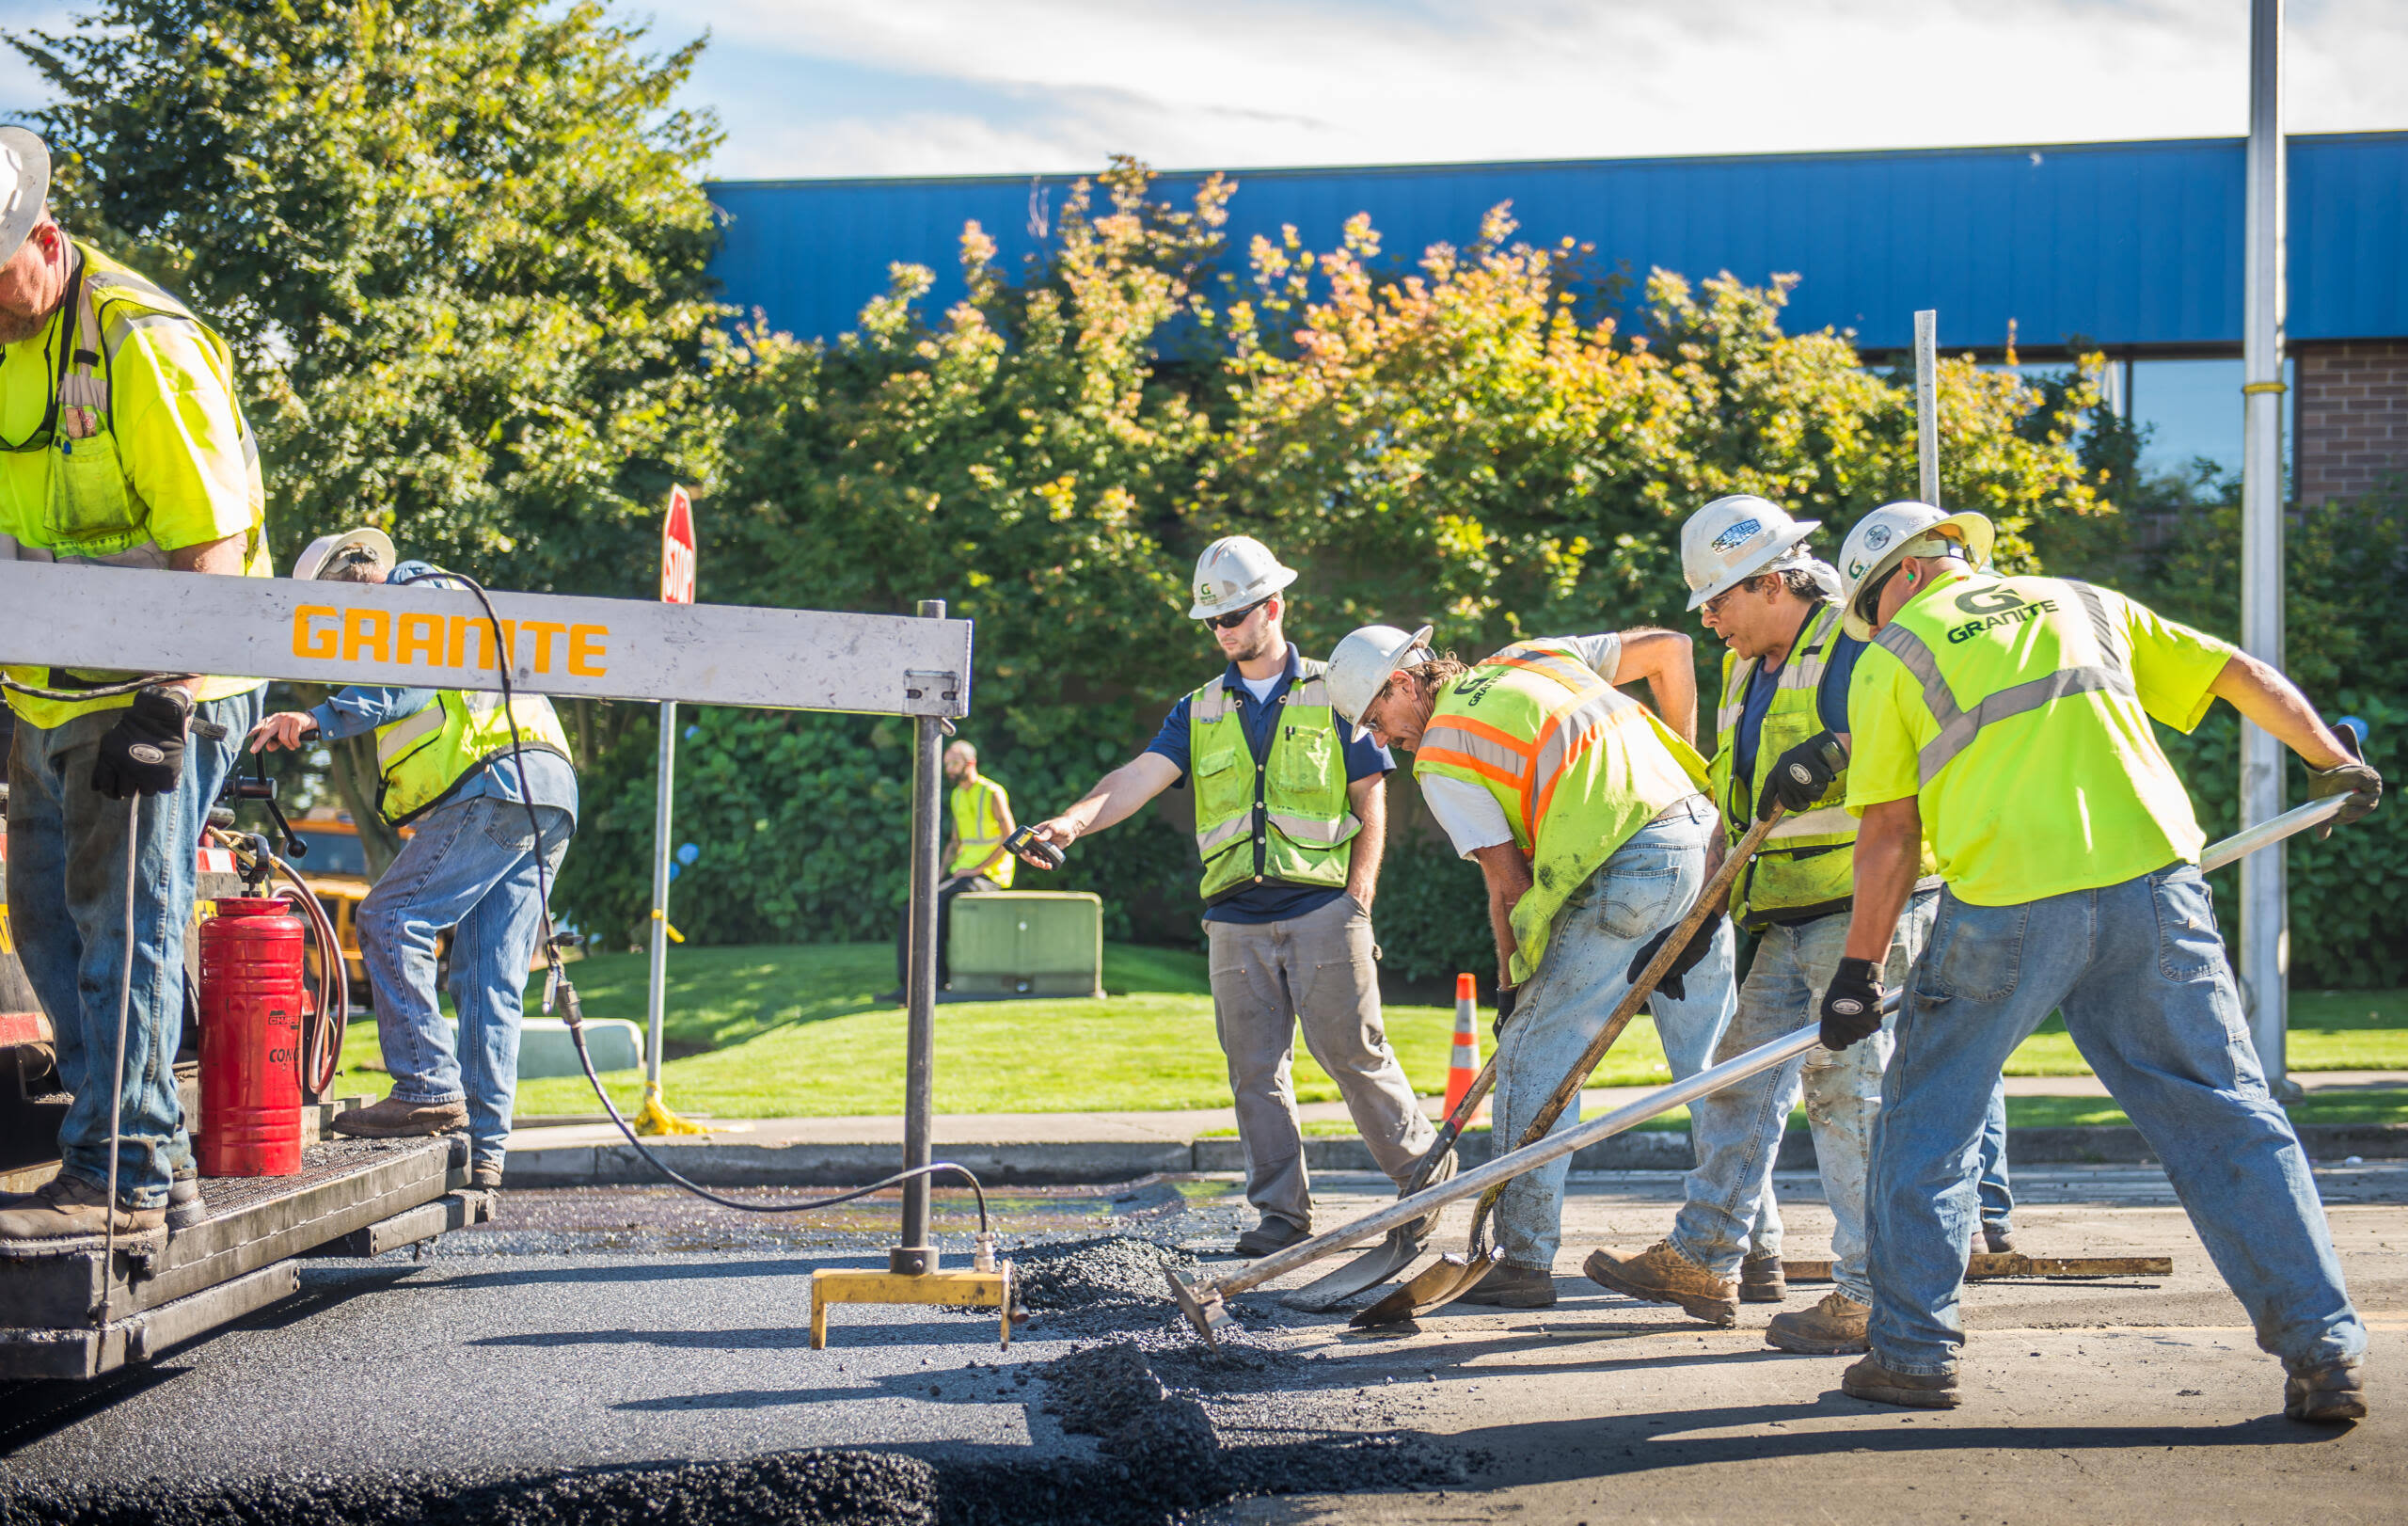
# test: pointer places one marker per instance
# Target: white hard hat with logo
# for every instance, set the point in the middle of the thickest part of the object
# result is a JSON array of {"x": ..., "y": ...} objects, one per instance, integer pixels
[
  {"x": 1894, "y": 532},
  {"x": 24, "y": 186},
  {"x": 1233, "y": 572},
  {"x": 329, "y": 552},
  {"x": 1732, "y": 539},
  {"x": 1362, "y": 665}
]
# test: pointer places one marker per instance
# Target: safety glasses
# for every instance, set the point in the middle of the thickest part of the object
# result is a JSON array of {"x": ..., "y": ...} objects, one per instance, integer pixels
[{"x": 1235, "y": 617}]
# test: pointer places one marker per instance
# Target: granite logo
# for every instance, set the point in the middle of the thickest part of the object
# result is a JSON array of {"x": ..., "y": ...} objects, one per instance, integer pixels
[{"x": 1993, "y": 607}]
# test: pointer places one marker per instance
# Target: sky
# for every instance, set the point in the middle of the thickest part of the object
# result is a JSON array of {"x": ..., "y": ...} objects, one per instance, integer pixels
[{"x": 808, "y": 88}]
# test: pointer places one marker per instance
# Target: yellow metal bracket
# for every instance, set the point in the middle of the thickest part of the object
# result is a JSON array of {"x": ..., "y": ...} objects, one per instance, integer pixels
[{"x": 958, "y": 1289}]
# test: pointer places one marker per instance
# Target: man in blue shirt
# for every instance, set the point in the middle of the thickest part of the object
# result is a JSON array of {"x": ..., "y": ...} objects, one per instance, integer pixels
[
  {"x": 469, "y": 866},
  {"x": 1291, "y": 820}
]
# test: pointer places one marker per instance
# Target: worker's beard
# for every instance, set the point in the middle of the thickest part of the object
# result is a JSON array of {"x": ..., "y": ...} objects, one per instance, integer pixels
[
  {"x": 16, "y": 327},
  {"x": 1265, "y": 643}
]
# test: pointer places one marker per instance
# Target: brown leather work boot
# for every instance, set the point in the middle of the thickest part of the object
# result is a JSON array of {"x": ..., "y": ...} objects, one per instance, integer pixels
[
  {"x": 1830, "y": 1328},
  {"x": 395, "y": 1119},
  {"x": 1869, "y": 1379},
  {"x": 66, "y": 1213},
  {"x": 1660, "y": 1273},
  {"x": 2330, "y": 1396},
  {"x": 1762, "y": 1280},
  {"x": 1513, "y": 1287}
]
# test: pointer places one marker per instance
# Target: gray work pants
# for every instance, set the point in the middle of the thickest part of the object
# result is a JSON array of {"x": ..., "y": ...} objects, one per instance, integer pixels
[{"x": 1315, "y": 970}]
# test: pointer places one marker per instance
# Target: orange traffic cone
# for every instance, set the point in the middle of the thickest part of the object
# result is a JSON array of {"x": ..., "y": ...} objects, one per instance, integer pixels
[{"x": 1462, "y": 1065}]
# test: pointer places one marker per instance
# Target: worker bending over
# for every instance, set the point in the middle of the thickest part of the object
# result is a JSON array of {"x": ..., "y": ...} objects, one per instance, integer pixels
[
  {"x": 1584, "y": 813},
  {"x": 2005, "y": 721},
  {"x": 1782, "y": 730},
  {"x": 126, "y": 447},
  {"x": 1290, "y": 819},
  {"x": 981, "y": 819},
  {"x": 448, "y": 769}
]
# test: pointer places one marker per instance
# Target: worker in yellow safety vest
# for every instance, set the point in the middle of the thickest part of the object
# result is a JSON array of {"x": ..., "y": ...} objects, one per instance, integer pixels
[
  {"x": 1290, "y": 818},
  {"x": 2005, "y": 723},
  {"x": 1587, "y": 814},
  {"x": 975, "y": 862},
  {"x": 122, "y": 444},
  {"x": 461, "y": 769}
]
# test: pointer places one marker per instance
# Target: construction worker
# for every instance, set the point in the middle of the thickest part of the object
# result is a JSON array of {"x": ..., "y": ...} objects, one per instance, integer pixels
[
  {"x": 448, "y": 769},
  {"x": 1585, "y": 813},
  {"x": 1782, "y": 731},
  {"x": 125, "y": 447},
  {"x": 2005, "y": 721},
  {"x": 1292, "y": 851},
  {"x": 981, "y": 819}
]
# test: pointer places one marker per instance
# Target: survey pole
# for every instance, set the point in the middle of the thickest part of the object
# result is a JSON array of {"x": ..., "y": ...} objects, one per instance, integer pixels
[
  {"x": 676, "y": 587},
  {"x": 917, "y": 1252},
  {"x": 1927, "y": 406},
  {"x": 2265, "y": 936}
]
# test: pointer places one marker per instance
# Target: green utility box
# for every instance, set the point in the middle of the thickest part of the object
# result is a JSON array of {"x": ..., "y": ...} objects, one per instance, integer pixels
[{"x": 1026, "y": 943}]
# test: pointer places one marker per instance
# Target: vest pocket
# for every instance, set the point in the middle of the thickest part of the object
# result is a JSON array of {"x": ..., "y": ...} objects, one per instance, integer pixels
[{"x": 86, "y": 493}]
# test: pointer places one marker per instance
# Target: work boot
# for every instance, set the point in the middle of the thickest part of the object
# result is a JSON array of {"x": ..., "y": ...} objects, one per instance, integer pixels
[
  {"x": 1421, "y": 1228},
  {"x": 1762, "y": 1280},
  {"x": 1508, "y": 1286},
  {"x": 1660, "y": 1273},
  {"x": 66, "y": 1213},
  {"x": 1273, "y": 1233},
  {"x": 1831, "y": 1327},
  {"x": 396, "y": 1119},
  {"x": 1997, "y": 1239},
  {"x": 2329, "y": 1395},
  {"x": 486, "y": 1176},
  {"x": 1869, "y": 1379},
  {"x": 185, "y": 1205}
]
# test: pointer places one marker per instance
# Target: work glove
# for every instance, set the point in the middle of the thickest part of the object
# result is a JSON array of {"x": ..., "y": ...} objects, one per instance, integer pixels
[
  {"x": 1802, "y": 775},
  {"x": 1670, "y": 985},
  {"x": 1852, "y": 1004},
  {"x": 2349, "y": 777},
  {"x": 1505, "y": 996},
  {"x": 144, "y": 753}
]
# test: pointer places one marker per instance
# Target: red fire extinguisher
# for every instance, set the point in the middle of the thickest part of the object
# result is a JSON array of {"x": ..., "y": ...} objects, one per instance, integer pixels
[{"x": 252, "y": 1005}]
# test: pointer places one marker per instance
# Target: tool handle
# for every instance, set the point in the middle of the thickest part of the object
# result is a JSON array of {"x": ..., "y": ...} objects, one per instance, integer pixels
[
  {"x": 1453, "y": 1129},
  {"x": 1025, "y": 844}
]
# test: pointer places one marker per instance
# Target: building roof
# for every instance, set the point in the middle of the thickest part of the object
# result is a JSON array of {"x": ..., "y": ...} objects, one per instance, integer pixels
[{"x": 2120, "y": 243}]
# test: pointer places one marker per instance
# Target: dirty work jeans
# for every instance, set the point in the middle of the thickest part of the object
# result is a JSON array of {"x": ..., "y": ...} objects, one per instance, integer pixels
[
  {"x": 1316, "y": 971},
  {"x": 1649, "y": 883},
  {"x": 470, "y": 866},
  {"x": 67, "y": 915},
  {"x": 2139, "y": 971}
]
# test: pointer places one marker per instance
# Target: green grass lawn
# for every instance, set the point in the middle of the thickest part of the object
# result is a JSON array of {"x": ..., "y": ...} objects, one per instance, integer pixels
[{"x": 771, "y": 1032}]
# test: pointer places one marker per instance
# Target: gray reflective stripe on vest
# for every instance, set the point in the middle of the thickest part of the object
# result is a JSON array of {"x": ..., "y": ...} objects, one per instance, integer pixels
[
  {"x": 1830, "y": 821},
  {"x": 1444, "y": 733},
  {"x": 1317, "y": 833},
  {"x": 126, "y": 283},
  {"x": 1575, "y": 726},
  {"x": 1232, "y": 830},
  {"x": 1816, "y": 638},
  {"x": 126, "y": 326},
  {"x": 1960, "y": 726},
  {"x": 407, "y": 733},
  {"x": 1210, "y": 703}
]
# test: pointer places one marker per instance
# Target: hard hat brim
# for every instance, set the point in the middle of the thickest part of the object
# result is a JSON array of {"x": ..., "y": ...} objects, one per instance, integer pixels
[
  {"x": 1979, "y": 536},
  {"x": 31, "y": 193},
  {"x": 1395, "y": 659},
  {"x": 321, "y": 552},
  {"x": 1734, "y": 578}
]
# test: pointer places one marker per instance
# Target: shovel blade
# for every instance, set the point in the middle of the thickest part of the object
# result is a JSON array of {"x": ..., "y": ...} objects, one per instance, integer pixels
[
  {"x": 1435, "y": 1286},
  {"x": 1203, "y": 1306},
  {"x": 1368, "y": 1270}
]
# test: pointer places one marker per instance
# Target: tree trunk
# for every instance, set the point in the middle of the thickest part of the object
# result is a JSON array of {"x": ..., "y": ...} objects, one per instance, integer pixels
[{"x": 354, "y": 769}]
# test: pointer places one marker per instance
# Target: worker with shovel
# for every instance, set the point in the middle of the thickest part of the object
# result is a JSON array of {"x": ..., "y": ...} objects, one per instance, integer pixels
[
  {"x": 1782, "y": 733},
  {"x": 1291, "y": 816},
  {"x": 2004, "y": 720},
  {"x": 1587, "y": 814}
]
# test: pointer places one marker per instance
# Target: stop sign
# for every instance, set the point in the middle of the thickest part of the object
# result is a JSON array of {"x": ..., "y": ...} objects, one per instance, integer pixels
[{"x": 677, "y": 550}]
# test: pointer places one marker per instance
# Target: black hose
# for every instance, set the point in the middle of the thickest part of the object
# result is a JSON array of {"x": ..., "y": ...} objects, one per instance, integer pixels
[{"x": 557, "y": 972}]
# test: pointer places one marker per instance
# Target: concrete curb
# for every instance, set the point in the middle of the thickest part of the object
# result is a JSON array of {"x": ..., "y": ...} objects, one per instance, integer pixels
[{"x": 1079, "y": 1163}]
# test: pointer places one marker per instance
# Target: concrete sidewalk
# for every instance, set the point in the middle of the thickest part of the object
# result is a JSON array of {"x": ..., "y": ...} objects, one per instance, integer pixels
[{"x": 1054, "y": 1148}]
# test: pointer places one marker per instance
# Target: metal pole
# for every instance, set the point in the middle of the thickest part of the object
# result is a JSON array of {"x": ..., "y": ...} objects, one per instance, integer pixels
[
  {"x": 1927, "y": 405},
  {"x": 656, "y": 996},
  {"x": 918, "y": 1251},
  {"x": 2265, "y": 939}
]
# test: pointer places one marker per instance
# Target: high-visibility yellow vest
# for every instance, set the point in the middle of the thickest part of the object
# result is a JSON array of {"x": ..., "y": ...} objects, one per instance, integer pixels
[
  {"x": 1578, "y": 765},
  {"x": 1285, "y": 820},
  {"x": 978, "y": 804},
  {"x": 1807, "y": 864},
  {"x": 425, "y": 754},
  {"x": 73, "y": 499}
]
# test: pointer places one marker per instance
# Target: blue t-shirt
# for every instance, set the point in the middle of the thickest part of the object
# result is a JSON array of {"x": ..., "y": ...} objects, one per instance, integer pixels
[
  {"x": 1267, "y": 903},
  {"x": 1831, "y": 701}
]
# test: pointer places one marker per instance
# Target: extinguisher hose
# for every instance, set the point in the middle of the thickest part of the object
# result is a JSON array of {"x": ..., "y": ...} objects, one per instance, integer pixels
[
  {"x": 557, "y": 973},
  {"x": 324, "y": 1056}
]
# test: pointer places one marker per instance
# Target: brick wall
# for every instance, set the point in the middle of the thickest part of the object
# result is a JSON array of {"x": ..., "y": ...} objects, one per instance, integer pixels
[{"x": 2352, "y": 417}]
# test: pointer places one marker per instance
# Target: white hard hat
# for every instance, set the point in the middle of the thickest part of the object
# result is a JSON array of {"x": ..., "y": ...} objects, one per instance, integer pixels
[
  {"x": 1894, "y": 532},
  {"x": 327, "y": 552},
  {"x": 1233, "y": 572},
  {"x": 1362, "y": 665},
  {"x": 1732, "y": 539},
  {"x": 24, "y": 186}
]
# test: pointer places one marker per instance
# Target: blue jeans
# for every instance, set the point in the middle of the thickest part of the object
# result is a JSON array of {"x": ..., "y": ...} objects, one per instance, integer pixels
[
  {"x": 470, "y": 866},
  {"x": 67, "y": 913},
  {"x": 1649, "y": 883},
  {"x": 2139, "y": 971}
]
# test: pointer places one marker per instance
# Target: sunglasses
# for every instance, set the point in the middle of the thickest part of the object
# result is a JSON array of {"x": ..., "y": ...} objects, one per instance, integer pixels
[{"x": 1235, "y": 619}]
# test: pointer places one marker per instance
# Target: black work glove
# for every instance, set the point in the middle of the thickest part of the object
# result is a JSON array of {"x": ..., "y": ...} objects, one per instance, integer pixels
[
  {"x": 1852, "y": 1004},
  {"x": 144, "y": 753},
  {"x": 1802, "y": 775},
  {"x": 2349, "y": 777},
  {"x": 1684, "y": 961},
  {"x": 1505, "y": 996}
]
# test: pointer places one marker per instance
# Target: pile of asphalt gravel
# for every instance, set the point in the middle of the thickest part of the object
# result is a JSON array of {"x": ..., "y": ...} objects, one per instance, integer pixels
[{"x": 1111, "y": 1282}]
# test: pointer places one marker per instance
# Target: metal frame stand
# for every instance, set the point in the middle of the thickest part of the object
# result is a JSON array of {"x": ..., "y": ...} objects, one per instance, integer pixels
[{"x": 917, "y": 1253}]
